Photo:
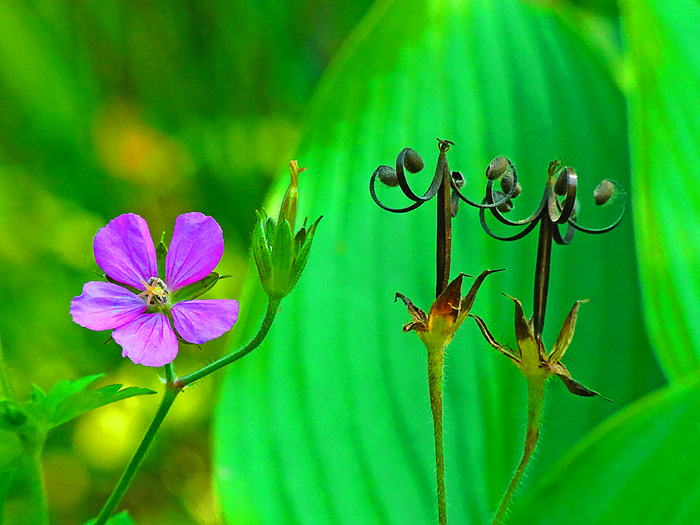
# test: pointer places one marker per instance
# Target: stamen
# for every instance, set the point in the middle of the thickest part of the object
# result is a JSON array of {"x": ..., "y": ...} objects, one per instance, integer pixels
[{"x": 155, "y": 291}]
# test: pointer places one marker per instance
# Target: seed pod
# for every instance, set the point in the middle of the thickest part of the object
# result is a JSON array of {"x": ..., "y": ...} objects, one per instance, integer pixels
[
  {"x": 498, "y": 167},
  {"x": 412, "y": 161},
  {"x": 603, "y": 192},
  {"x": 387, "y": 175},
  {"x": 507, "y": 184},
  {"x": 458, "y": 180},
  {"x": 560, "y": 186},
  {"x": 504, "y": 207}
]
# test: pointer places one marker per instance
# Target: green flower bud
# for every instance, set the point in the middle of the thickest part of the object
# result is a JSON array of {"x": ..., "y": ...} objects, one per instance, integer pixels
[
  {"x": 279, "y": 254},
  {"x": 161, "y": 254},
  {"x": 288, "y": 210}
]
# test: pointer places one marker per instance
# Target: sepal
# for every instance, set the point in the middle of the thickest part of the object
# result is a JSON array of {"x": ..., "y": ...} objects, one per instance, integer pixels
[
  {"x": 302, "y": 248},
  {"x": 161, "y": 254},
  {"x": 194, "y": 290},
  {"x": 262, "y": 253}
]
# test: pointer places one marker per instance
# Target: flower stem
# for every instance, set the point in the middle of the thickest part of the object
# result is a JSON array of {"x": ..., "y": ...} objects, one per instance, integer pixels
[
  {"x": 6, "y": 388},
  {"x": 26, "y": 501},
  {"x": 535, "y": 400},
  {"x": 270, "y": 313},
  {"x": 115, "y": 498},
  {"x": 173, "y": 388},
  {"x": 436, "y": 358}
]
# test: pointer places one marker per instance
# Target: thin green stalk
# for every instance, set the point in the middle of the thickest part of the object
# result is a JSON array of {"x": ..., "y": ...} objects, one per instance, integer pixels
[
  {"x": 535, "y": 401},
  {"x": 27, "y": 501},
  {"x": 436, "y": 358},
  {"x": 173, "y": 388},
  {"x": 6, "y": 388},
  {"x": 272, "y": 307},
  {"x": 129, "y": 473}
]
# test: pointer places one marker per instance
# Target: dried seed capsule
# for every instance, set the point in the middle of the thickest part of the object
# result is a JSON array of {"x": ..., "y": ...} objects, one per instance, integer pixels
[
  {"x": 498, "y": 167},
  {"x": 507, "y": 184},
  {"x": 560, "y": 186},
  {"x": 387, "y": 175},
  {"x": 458, "y": 180},
  {"x": 504, "y": 207},
  {"x": 574, "y": 212},
  {"x": 412, "y": 161},
  {"x": 603, "y": 192}
]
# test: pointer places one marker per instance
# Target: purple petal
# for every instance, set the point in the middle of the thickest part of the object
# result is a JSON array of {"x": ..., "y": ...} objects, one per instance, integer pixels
[
  {"x": 195, "y": 250},
  {"x": 148, "y": 340},
  {"x": 124, "y": 250},
  {"x": 200, "y": 321},
  {"x": 103, "y": 306}
]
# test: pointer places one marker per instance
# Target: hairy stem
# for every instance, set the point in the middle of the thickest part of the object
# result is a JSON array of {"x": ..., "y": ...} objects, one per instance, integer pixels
[
  {"x": 535, "y": 400},
  {"x": 173, "y": 388},
  {"x": 133, "y": 466},
  {"x": 436, "y": 358},
  {"x": 272, "y": 307}
]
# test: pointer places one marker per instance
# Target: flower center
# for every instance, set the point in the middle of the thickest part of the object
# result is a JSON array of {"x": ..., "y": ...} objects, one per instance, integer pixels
[{"x": 156, "y": 292}]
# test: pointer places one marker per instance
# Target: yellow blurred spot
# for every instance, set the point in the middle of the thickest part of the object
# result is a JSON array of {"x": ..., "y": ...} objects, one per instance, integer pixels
[
  {"x": 108, "y": 437},
  {"x": 132, "y": 150}
]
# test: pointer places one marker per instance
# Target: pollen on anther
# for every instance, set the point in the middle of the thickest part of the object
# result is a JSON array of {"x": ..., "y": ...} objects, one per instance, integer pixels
[{"x": 155, "y": 291}]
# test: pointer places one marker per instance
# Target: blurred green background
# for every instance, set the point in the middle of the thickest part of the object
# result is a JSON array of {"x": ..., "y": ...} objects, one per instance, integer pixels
[{"x": 159, "y": 108}]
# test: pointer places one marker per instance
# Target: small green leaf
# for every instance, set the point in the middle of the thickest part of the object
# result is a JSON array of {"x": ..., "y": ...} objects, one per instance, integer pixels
[
  {"x": 69, "y": 399},
  {"x": 38, "y": 393},
  {"x": 194, "y": 290}
]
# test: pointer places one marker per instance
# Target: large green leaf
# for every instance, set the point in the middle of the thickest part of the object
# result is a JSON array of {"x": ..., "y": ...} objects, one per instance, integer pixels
[
  {"x": 640, "y": 466},
  {"x": 328, "y": 422},
  {"x": 665, "y": 145}
]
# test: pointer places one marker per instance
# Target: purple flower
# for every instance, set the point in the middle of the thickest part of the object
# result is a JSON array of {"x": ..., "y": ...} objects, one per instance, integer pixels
[{"x": 124, "y": 250}]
